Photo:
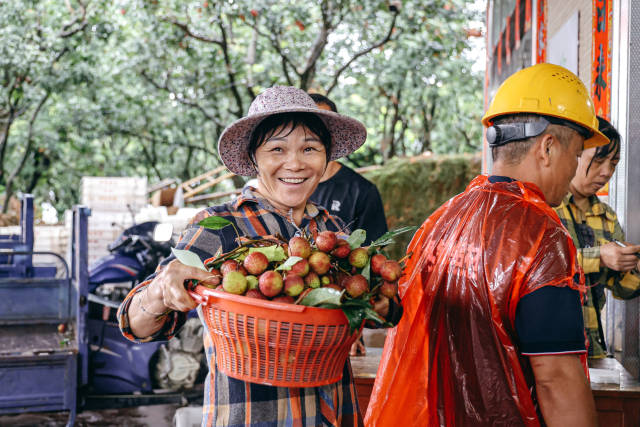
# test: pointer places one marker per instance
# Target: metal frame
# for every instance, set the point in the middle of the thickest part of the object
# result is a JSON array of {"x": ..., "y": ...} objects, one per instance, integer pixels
[{"x": 623, "y": 317}]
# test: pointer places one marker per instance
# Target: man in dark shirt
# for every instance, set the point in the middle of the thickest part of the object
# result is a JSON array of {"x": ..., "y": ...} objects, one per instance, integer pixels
[
  {"x": 347, "y": 194},
  {"x": 352, "y": 197}
]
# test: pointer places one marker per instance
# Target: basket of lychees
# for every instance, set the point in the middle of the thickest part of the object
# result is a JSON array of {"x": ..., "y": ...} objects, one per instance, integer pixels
[{"x": 285, "y": 313}]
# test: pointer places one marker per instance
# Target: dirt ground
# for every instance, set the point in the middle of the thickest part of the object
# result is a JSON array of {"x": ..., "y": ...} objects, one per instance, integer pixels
[{"x": 141, "y": 416}]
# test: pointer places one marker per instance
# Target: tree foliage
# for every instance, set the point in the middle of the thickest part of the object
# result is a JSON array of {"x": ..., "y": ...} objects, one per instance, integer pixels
[{"x": 145, "y": 87}]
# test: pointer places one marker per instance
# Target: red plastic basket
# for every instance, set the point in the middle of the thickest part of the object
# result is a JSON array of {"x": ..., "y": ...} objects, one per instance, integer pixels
[{"x": 275, "y": 343}]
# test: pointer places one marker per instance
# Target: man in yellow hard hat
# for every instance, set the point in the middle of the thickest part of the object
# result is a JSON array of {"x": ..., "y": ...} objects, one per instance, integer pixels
[{"x": 492, "y": 332}]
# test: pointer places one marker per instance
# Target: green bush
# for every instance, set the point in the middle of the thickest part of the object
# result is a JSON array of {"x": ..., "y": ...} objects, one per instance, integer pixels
[{"x": 412, "y": 189}]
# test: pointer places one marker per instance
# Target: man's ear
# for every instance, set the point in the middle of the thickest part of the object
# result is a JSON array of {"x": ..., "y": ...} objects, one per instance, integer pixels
[{"x": 545, "y": 149}]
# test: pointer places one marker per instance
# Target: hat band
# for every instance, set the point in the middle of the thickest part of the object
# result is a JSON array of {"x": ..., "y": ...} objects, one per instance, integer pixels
[{"x": 502, "y": 134}]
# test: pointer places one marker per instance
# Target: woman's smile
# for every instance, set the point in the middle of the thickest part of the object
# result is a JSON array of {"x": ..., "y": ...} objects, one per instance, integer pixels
[{"x": 290, "y": 164}]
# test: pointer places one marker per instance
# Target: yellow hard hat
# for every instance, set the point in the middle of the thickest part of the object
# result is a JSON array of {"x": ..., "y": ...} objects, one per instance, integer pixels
[{"x": 549, "y": 90}]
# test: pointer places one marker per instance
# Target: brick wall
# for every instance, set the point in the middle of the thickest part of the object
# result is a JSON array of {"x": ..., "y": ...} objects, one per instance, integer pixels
[{"x": 558, "y": 12}]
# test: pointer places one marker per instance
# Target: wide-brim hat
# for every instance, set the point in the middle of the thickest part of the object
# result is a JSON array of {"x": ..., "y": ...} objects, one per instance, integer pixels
[{"x": 347, "y": 134}]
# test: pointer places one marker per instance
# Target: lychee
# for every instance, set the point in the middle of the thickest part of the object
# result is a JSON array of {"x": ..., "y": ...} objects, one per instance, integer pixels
[
  {"x": 388, "y": 289},
  {"x": 312, "y": 280},
  {"x": 390, "y": 271},
  {"x": 255, "y": 293},
  {"x": 319, "y": 262},
  {"x": 229, "y": 265},
  {"x": 256, "y": 263},
  {"x": 326, "y": 241},
  {"x": 358, "y": 257},
  {"x": 342, "y": 249},
  {"x": 300, "y": 268},
  {"x": 270, "y": 283},
  {"x": 234, "y": 283},
  {"x": 293, "y": 285},
  {"x": 356, "y": 285},
  {"x": 376, "y": 263},
  {"x": 299, "y": 246}
]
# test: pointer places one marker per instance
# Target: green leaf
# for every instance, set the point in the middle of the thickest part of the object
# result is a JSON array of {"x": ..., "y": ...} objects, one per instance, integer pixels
[
  {"x": 357, "y": 238},
  {"x": 289, "y": 263},
  {"x": 214, "y": 222},
  {"x": 273, "y": 253},
  {"x": 188, "y": 258},
  {"x": 321, "y": 296},
  {"x": 355, "y": 316},
  {"x": 366, "y": 270},
  {"x": 387, "y": 238}
]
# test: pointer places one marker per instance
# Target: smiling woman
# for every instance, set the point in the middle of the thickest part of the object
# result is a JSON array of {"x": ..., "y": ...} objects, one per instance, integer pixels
[
  {"x": 286, "y": 141},
  {"x": 290, "y": 152}
]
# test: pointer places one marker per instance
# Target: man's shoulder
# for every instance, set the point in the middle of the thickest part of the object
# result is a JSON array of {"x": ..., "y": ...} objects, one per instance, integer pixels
[
  {"x": 349, "y": 175},
  {"x": 505, "y": 207}
]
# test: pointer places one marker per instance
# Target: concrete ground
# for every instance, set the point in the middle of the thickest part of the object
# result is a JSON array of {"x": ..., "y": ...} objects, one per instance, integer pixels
[{"x": 140, "y": 416}]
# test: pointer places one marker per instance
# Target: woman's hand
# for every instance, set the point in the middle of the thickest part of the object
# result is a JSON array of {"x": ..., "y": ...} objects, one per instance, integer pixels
[
  {"x": 166, "y": 292},
  {"x": 619, "y": 258},
  {"x": 168, "y": 287}
]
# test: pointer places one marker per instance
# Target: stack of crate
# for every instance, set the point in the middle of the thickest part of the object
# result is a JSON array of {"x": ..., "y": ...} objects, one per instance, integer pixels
[{"x": 113, "y": 202}]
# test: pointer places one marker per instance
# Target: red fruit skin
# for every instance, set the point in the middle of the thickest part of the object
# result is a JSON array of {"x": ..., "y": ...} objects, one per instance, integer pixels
[
  {"x": 376, "y": 263},
  {"x": 388, "y": 289},
  {"x": 320, "y": 262},
  {"x": 356, "y": 285},
  {"x": 390, "y": 271},
  {"x": 326, "y": 241},
  {"x": 270, "y": 283},
  {"x": 255, "y": 293},
  {"x": 341, "y": 277},
  {"x": 299, "y": 246},
  {"x": 333, "y": 286},
  {"x": 229, "y": 265},
  {"x": 300, "y": 268},
  {"x": 214, "y": 280},
  {"x": 62, "y": 327},
  {"x": 312, "y": 280},
  {"x": 293, "y": 285},
  {"x": 358, "y": 257},
  {"x": 342, "y": 249},
  {"x": 284, "y": 298},
  {"x": 256, "y": 263}
]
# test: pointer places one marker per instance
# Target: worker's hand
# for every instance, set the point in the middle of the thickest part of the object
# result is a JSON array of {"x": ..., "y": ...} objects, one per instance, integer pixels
[
  {"x": 381, "y": 306},
  {"x": 167, "y": 291},
  {"x": 618, "y": 258}
]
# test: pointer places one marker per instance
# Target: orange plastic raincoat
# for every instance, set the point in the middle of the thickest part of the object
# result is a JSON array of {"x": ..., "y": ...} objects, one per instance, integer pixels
[{"x": 453, "y": 358}]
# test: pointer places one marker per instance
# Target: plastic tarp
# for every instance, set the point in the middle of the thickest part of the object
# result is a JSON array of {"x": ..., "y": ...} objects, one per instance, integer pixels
[{"x": 452, "y": 359}]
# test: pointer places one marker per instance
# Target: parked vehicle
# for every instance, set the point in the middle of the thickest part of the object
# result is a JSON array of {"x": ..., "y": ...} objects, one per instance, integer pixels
[
  {"x": 118, "y": 366},
  {"x": 60, "y": 346},
  {"x": 43, "y": 337}
]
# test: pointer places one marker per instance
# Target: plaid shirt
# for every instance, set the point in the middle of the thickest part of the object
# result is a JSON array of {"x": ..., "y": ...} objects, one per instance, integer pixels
[
  {"x": 596, "y": 227},
  {"x": 232, "y": 402}
]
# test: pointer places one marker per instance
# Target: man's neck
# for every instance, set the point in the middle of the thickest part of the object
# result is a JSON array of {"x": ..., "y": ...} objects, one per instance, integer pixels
[
  {"x": 580, "y": 200},
  {"x": 332, "y": 168},
  {"x": 516, "y": 172}
]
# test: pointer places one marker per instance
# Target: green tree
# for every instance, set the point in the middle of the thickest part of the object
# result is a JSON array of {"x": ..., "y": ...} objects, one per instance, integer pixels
[{"x": 145, "y": 87}]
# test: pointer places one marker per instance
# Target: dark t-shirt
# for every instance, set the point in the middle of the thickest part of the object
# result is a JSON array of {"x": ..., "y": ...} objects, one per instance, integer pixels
[{"x": 355, "y": 200}]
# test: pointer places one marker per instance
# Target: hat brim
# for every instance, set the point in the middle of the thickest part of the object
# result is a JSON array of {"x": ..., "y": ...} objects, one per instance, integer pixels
[{"x": 347, "y": 135}]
